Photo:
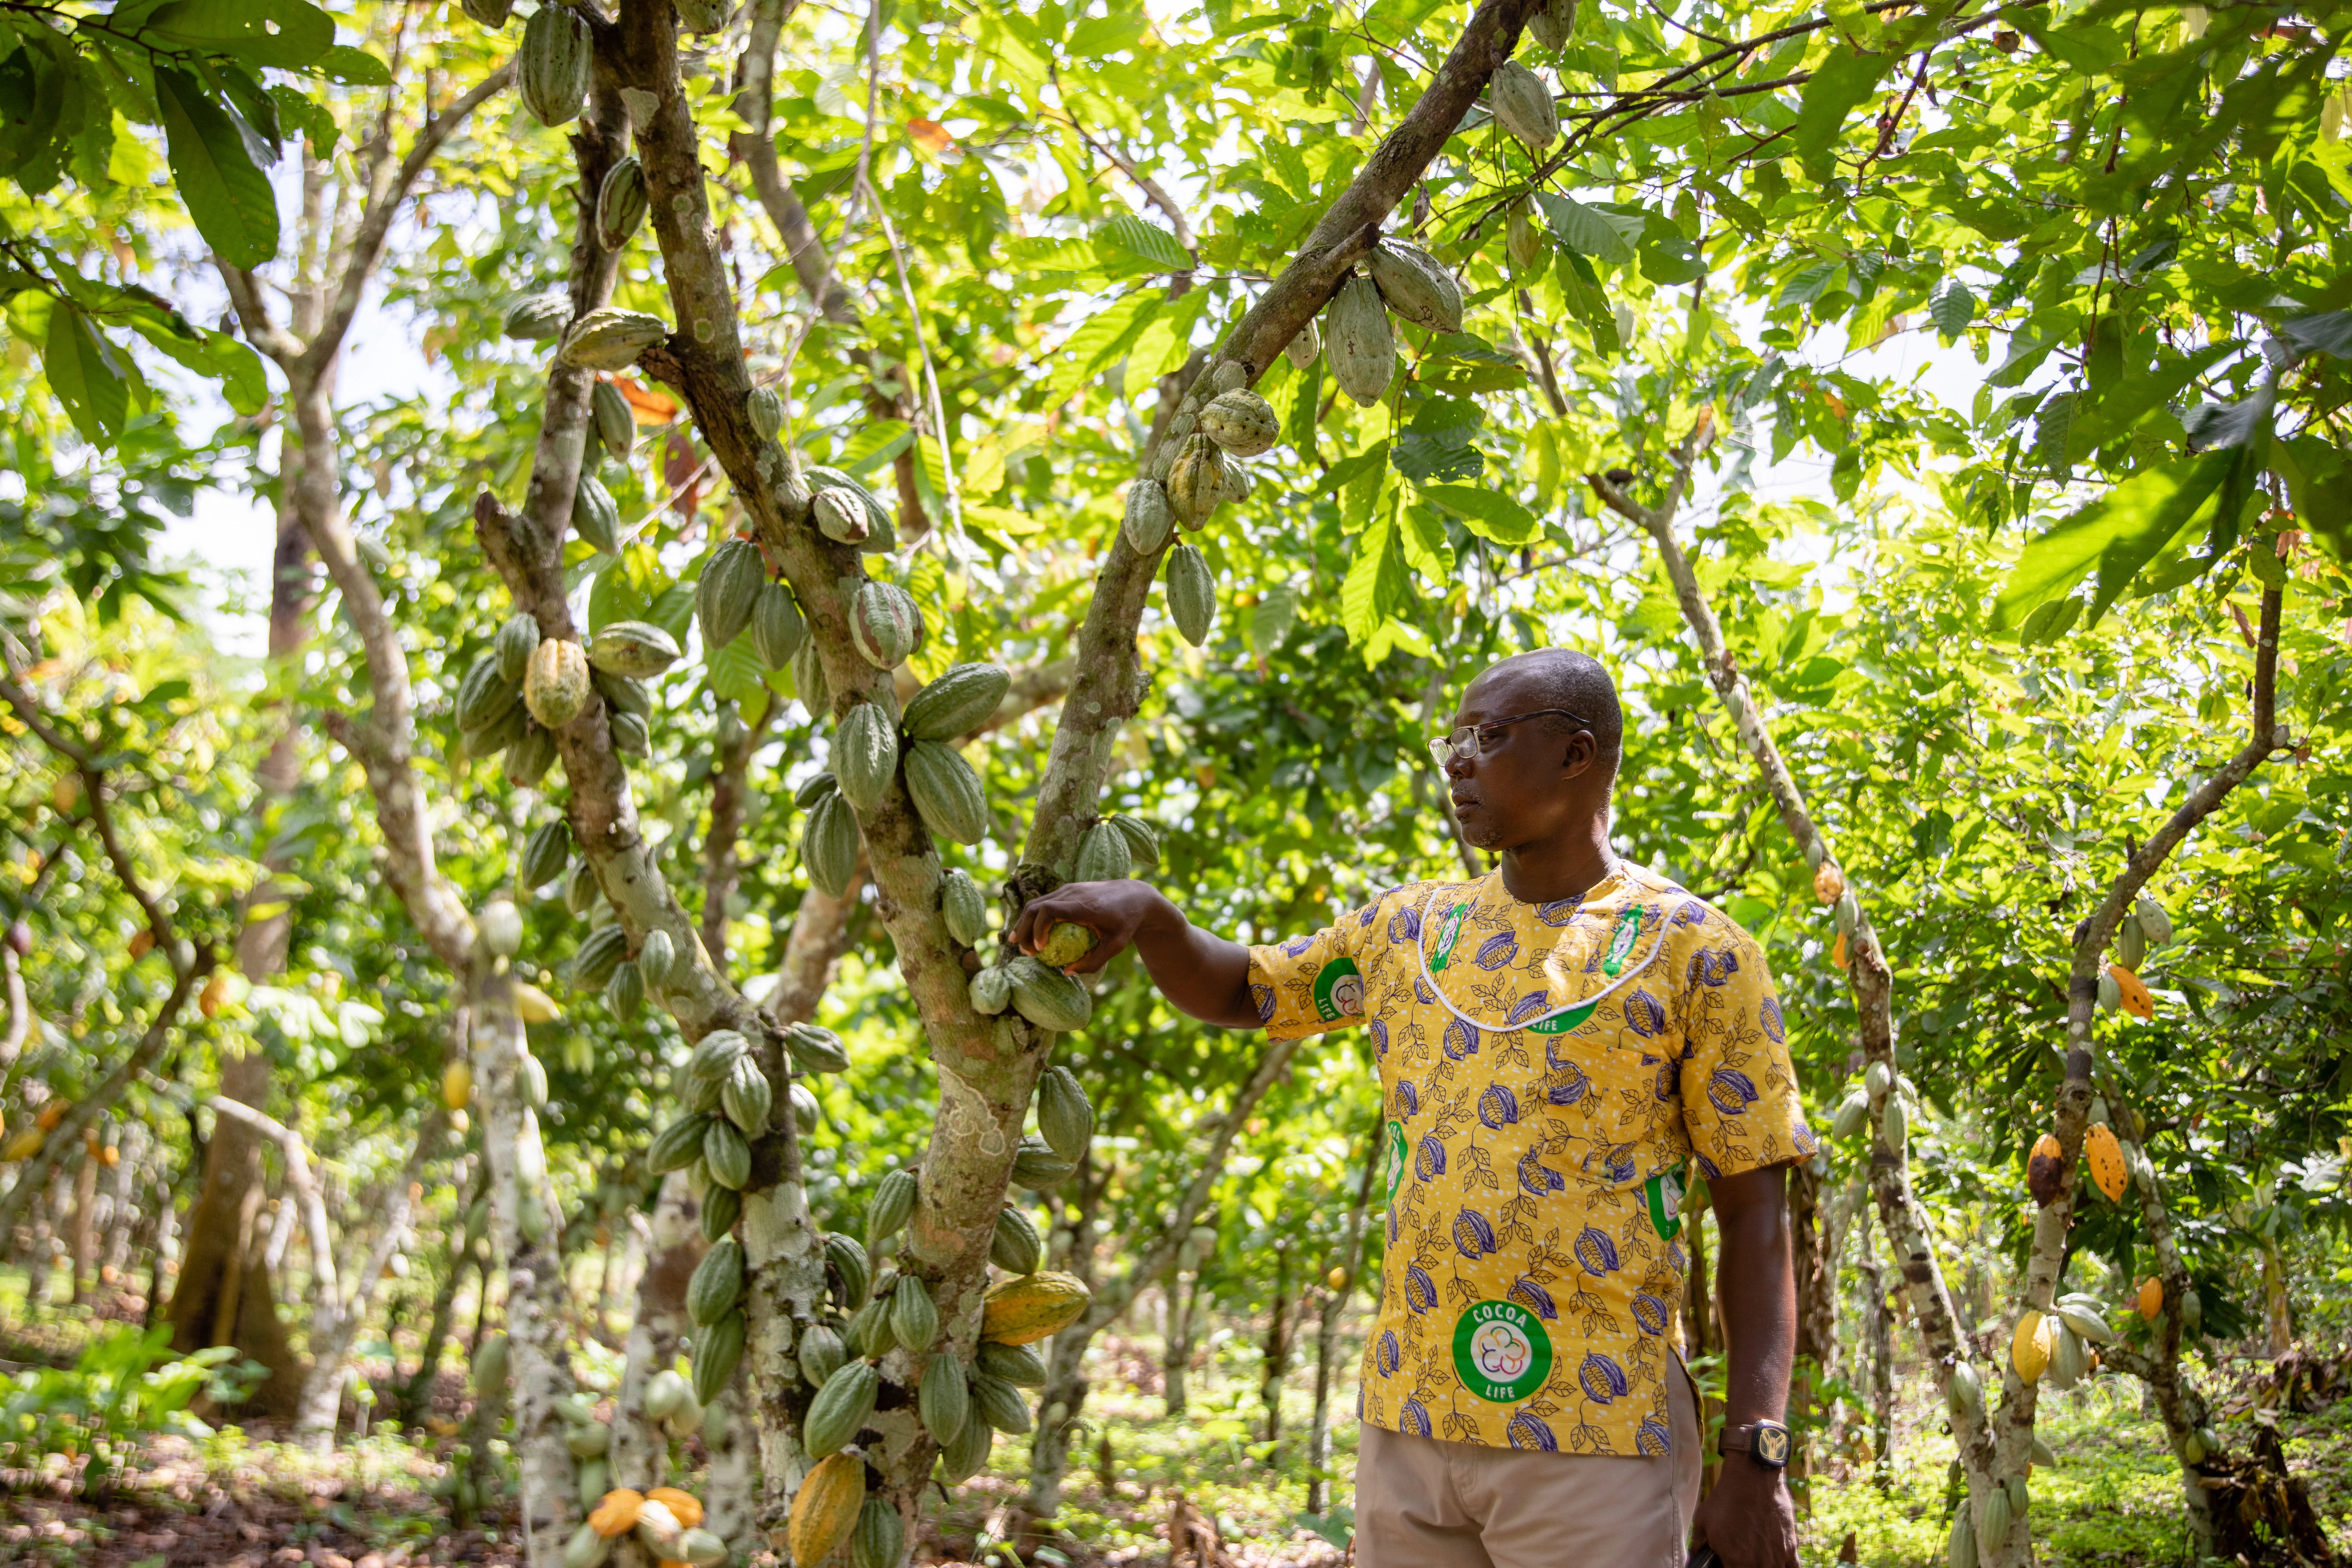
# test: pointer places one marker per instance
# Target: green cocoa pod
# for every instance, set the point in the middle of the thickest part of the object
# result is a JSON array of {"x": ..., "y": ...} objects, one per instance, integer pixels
[
  {"x": 848, "y": 1260},
  {"x": 880, "y": 1537},
  {"x": 496, "y": 736},
  {"x": 586, "y": 1549},
  {"x": 1048, "y": 997},
  {"x": 1021, "y": 1365},
  {"x": 841, "y": 1407},
  {"x": 829, "y": 846},
  {"x": 879, "y": 532},
  {"x": 513, "y": 647},
  {"x": 1360, "y": 342},
  {"x": 818, "y": 787},
  {"x": 1064, "y": 1115},
  {"x": 700, "y": 1095},
  {"x": 658, "y": 959},
  {"x": 958, "y": 702},
  {"x": 1036, "y": 1167},
  {"x": 595, "y": 1479},
  {"x": 721, "y": 1207},
  {"x": 1196, "y": 481},
  {"x": 552, "y": 68},
  {"x": 1245, "y": 424},
  {"x": 1146, "y": 520},
  {"x": 777, "y": 628},
  {"x": 1417, "y": 285},
  {"x": 747, "y": 1097},
  {"x": 1995, "y": 1516},
  {"x": 840, "y": 515},
  {"x": 715, "y": 1052},
  {"x": 599, "y": 954},
  {"x": 621, "y": 206},
  {"x": 914, "y": 1318},
  {"x": 1016, "y": 1247},
  {"x": 1895, "y": 1126},
  {"x": 892, "y": 1206},
  {"x": 964, "y": 907},
  {"x": 1961, "y": 1546},
  {"x": 538, "y": 318},
  {"x": 864, "y": 755},
  {"x": 1523, "y": 239},
  {"x": 765, "y": 408},
  {"x": 884, "y": 625},
  {"x": 1000, "y": 1405},
  {"x": 717, "y": 1349},
  {"x": 717, "y": 1284},
  {"x": 727, "y": 1154},
  {"x": 807, "y": 1114},
  {"x": 947, "y": 793},
  {"x": 676, "y": 1146},
  {"x": 728, "y": 593},
  {"x": 961, "y": 1459},
  {"x": 990, "y": 991},
  {"x": 528, "y": 758},
  {"x": 623, "y": 694},
  {"x": 634, "y": 648},
  {"x": 869, "y": 1330},
  {"x": 625, "y": 992},
  {"x": 589, "y": 1441},
  {"x": 1191, "y": 594},
  {"x": 489, "y": 1366},
  {"x": 1102, "y": 854},
  {"x": 944, "y": 1398},
  {"x": 822, "y": 1354},
  {"x": 484, "y": 696},
  {"x": 581, "y": 891},
  {"x": 632, "y": 737},
  {"x": 2192, "y": 1310},
  {"x": 815, "y": 1050},
  {"x": 808, "y": 681},
  {"x": 1963, "y": 1393},
  {"x": 1523, "y": 107},
  {"x": 1851, "y": 1114},
  {"x": 1142, "y": 843},
  {"x": 615, "y": 422},
  {"x": 610, "y": 338}
]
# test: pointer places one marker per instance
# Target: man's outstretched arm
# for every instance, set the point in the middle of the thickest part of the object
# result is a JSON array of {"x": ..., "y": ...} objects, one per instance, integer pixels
[
  {"x": 1748, "y": 1518},
  {"x": 1205, "y": 975}
]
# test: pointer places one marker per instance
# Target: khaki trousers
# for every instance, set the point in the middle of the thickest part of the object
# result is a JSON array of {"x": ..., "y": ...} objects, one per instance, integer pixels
[{"x": 1425, "y": 1503}]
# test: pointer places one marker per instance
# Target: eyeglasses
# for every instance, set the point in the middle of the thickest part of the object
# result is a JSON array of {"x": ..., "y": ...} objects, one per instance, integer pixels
[{"x": 1466, "y": 744}]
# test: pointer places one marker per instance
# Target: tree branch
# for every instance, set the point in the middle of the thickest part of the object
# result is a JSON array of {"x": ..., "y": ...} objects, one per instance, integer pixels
[{"x": 93, "y": 783}]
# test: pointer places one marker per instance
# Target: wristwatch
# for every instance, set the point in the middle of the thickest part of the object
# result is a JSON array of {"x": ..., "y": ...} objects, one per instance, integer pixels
[{"x": 1765, "y": 1442}]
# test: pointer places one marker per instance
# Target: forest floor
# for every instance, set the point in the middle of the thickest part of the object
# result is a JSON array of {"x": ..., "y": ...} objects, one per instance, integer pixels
[{"x": 237, "y": 1500}]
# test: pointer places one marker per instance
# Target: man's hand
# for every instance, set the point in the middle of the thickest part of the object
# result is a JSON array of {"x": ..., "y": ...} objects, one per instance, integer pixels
[
  {"x": 1205, "y": 975},
  {"x": 1748, "y": 1519}
]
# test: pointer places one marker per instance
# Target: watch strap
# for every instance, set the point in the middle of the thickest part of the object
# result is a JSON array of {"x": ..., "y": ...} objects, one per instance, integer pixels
[{"x": 1767, "y": 1443}]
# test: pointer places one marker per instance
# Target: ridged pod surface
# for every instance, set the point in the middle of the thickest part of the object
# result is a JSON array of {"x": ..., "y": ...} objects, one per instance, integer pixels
[
  {"x": 815, "y": 1050},
  {"x": 914, "y": 1317},
  {"x": 511, "y": 648},
  {"x": 634, "y": 648},
  {"x": 1553, "y": 23},
  {"x": 728, "y": 591},
  {"x": 555, "y": 683},
  {"x": 990, "y": 991},
  {"x": 1020, "y": 1364},
  {"x": 884, "y": 625},
  {"x": 1048, "y": 997},
  {"x": 1000, "y": 1405},
  {"x": 1102, "y": 854},
  {"x": 893, "y": 1204},
  {"x": 609, "y": 337},
  {"x": 777, "y": 629},
  {"x": 881, "y": 531},
  {"x": 947, "y": 791},
  {"x": 545, "y": 854},
  {"x": 538, "y": 318},
  {"x": 716, "y": 1349},
  {"x": 841, "y": 516},
  {"x": 1147, "y": 521},
  {"x": 964, "y": 907},
  {"x": 961, "y": 699},
  {"x": 1521, "y": 237},
  {"x": 864, "y": 757},
  {"x": 1417, "y": 285},
  {"x": 2031, "y": 1344},
  {"x": 850, "y": 1261},
  {"x": 1191, "y": 594},
  {"x": 961, "y": 1459},
  {"x": 616, "y": 424},
  {"x": 747, "y": 1097},
  {"x": 943, "y": 1398},
  {"x": 1359, "y": 340},
  {"x": 822, "y": 1354},
  {"x": 2105, "y": 1153},
  {"x": 621, "y": 203},
  {"x": 552, "y": 68},
  {"x": 1196, "y": 484},
  {"x": 1142, "y": 841},
  {"x": 487, "y": 694},
  {"x": 727, "y": 1154},
  {"x": 1522, "y": 106},
  {"x": 1015, "y": 1247},
  {"x": 829, "y": 846},
  {"x": 1304, "y": 349},
  {"x": 881, "y": 1538},
  {"x": 1241, "y": 422},
  {"x": 717, "y": 1283},
  {"x": 841, "y": 1407},
  {"x": 595, "y": 516},
  {"x": 765, "y": 408},
  {"x": 1065, "y": 1116},
  {"x": 825, "y": 1511}
]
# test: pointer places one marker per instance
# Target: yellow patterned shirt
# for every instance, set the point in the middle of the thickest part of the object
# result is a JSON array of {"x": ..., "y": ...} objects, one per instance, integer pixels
[{"x": 1549, "y": 1072}]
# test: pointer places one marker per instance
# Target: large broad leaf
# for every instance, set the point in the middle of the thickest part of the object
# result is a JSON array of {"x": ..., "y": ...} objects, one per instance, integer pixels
[
  {"x": 2319, "y": 483},
  {"x": 287, "y": 34},
  {"x": 217, "y": 168},
  {"x": 1487, "y": 513},
  {"x": 1844, "y": 80},
  {"x": 1953, "y": 308},
  {"x": 1360, "y": 611},
  {"x": 86, "y": 374},
  {"x": 1132, "y": 235},
  {"x": 2117, "y": 534},
  {"x": 876, "y": 442},
  {"x": 2135, "y": 397},
  {"x": 1590, "y": 231},
  {"x": 2216, "y": 426},
  {"x": 2330, "y": 333},
  {"x": 736, "y": 673}
]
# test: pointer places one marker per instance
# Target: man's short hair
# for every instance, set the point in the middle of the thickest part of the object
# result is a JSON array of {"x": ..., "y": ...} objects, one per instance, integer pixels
[{"x": 1581, "y": 684}]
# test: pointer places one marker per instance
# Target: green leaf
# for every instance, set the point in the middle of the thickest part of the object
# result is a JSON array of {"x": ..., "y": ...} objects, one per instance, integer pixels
[
  {"x": 735, "y": 672},
  {"x": 353, "y": 67},
  {"x": 1358, "y": 594},
  {"x": 86, "y": 374},
  {"x": 626, "y": 588},
  {"x": 1953, "y": 308},
  {"x": 874, "y": 444},
  {"x": 217, "y": 171},
  {"x": 287, "y": 34},
  {"x": 2319, "y": 483},
  {"x": 1591, "y": 231},
  {"x": 1840, "y": 84},
  {"x": 2118, "y": 533},
  {"x": 1489, "y": 514},
  {"x": 2136, "y": 396},
  {"x": 1134, "y": 237},
  {"x": 2329, "y": 333}
]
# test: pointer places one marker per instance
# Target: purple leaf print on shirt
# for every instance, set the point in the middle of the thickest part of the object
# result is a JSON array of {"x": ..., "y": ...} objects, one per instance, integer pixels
[
  {"x": 1777, "y": 1030},
  {"x": 1596, "y": 1251},
  {"x": 1529, "y": 1006},
  {"x": 1298, "y": 945},
  {"x": 1691, "y": 913},
  {"x": 1713, "y": 965},
  {"x": 1498, "y": 951},
  {"x": 1732, "y": 1091},
  {"x": 1665, "y": 1086},
  {"x": 1429, "y": 1159},
  {"x": 1537, "y": 1177},
  {"x": 1365, "y": 916},
  {"x": 1620, "y": 1163},
  {"x": 1534, "y": 1298},
  {"x": 1498, "y": 1107},
  {"x": 1264, "y": 996},
  {"x": 1602, "y": 1379},
  {"x": 1461, "y": 1040},
  {"x": 1404, "y": 926},
  {"x": 1420, "y": 1290},
  {"x": 1527, "y": 1431},
  {"x": 1472, "y": 1238},
  {"x": 1558, "y": 912},
  {"x": 1416, "y": 1418},
  {"x": 1645, "y": 1013}
]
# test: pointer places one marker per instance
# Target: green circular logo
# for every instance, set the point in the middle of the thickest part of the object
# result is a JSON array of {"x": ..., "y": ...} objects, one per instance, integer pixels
[
  {"x": 1340, "y": 991},
  {"x": 1500, "y": 1352}
]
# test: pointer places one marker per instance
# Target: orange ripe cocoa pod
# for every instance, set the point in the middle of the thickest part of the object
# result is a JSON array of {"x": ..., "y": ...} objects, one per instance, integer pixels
[
  {"x": 2135, "y": 998},
  {"x": 2105, "y": 1153},
  {"x": 1828, "y": 882},
  {"x": 2150, "y": 1300},
  {"x": 617, "y": 1515},
  {"x": 1837, "y": 951},
  {"x": 683, "y": 1504}
]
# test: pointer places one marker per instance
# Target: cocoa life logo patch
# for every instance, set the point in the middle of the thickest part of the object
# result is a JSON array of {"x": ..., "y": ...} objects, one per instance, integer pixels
[
  {"x": 1500, "y": 1352},
  {"x": 1449, "y": 931},
  {"x": 1399, "y": 1159},
  {"x": 1561, "y": 1023},
  {"x": 1339, "y": 991},
  {"x": 1620, "y": 941}
]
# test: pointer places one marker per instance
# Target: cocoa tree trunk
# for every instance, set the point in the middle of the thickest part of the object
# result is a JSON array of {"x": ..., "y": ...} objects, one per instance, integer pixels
[
  {"x": 1184, "y": 1292},
  {"x": 1065, "y": 1388},
  {"x": 1348, "y": 1257}
]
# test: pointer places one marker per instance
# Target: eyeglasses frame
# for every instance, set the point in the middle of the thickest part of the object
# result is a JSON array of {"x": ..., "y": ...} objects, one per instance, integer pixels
[{"x": 1444, "y": 750}]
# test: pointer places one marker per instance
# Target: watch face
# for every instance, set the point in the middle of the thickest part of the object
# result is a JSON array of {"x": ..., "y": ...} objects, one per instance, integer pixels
[{"x": 1772, "y": 1446}]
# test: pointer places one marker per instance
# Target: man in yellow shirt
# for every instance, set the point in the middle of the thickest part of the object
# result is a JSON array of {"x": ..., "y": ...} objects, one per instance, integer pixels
[{"x": 1564, "y": 1044}]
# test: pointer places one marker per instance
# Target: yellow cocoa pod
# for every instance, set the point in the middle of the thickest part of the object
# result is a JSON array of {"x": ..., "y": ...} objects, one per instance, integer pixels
[
  {"x": 1337, "y": 1280},
  {"x": 825, "y": 1508},
  {"x": 456, "y": 1085},
  {"x": 2150, "y": 1300},
  {"x": 2105, "y": 1155},
  {"x": 617, "y": 1514},
  {"x": 2133, "y": 996},
  {"x": 1032, "y": 1307},
  {"x": 2030, "y": 1348},
  {"x": 1828, "y": 882},
  {"x": 533, "y": 1005}
]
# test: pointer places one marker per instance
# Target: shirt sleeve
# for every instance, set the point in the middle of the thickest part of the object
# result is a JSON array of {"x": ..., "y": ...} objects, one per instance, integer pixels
[
  {"x": 1310, "y": 984},
  {"x": 1740, "y": 1101}
]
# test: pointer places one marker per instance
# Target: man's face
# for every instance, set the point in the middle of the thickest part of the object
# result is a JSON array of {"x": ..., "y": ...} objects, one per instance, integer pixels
[{"x": 1529, "y": 783}]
